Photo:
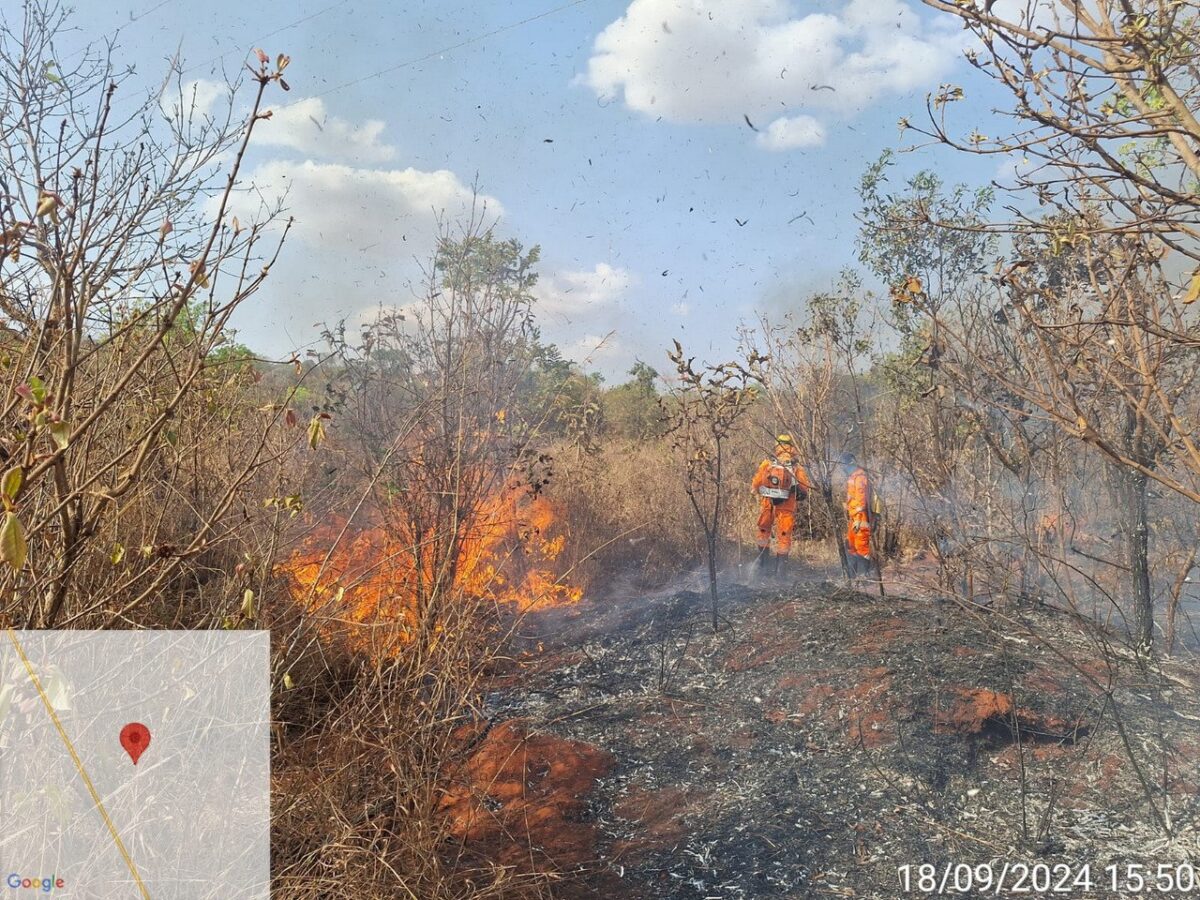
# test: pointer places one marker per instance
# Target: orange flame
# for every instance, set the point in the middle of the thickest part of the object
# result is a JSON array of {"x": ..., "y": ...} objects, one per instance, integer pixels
[{"x": 371, "y": 576}]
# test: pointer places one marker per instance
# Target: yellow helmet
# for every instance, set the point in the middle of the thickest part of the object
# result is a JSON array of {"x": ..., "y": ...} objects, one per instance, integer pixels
[{"x": 783, "y": 438}]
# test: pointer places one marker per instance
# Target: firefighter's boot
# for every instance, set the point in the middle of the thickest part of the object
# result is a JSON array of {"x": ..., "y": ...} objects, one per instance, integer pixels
[{"x": 779, "y": 567}]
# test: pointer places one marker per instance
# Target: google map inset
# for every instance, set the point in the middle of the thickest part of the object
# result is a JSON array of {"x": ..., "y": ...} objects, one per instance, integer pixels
[{"x": 134, "y": 764}]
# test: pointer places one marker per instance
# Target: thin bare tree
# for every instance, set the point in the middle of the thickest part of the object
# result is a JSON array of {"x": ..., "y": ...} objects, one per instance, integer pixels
[{"x": 701, "y": 410}]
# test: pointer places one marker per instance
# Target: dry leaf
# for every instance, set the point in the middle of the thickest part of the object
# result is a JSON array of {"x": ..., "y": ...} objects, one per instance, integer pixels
[
  {"x": 13, "y": 549},
  {"x": 1193, "y": 291}
]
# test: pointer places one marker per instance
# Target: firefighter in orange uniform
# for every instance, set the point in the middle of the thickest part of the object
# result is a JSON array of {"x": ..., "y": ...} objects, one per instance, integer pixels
[
  {"x": 780, "y": 483},
  {"x": 858, "y": 516}
]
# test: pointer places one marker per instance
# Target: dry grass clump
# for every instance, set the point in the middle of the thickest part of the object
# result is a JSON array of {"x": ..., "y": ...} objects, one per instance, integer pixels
[{"x": 366, "y": 750}]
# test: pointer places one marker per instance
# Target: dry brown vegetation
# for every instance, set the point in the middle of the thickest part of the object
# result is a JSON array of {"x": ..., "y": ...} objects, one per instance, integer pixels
[
  {"x": 137, "y": 457},
  {"x": 394, "y": 508}
]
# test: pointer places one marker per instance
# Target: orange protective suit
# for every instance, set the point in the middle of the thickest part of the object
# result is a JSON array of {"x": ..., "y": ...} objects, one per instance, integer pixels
[
  {"x": 858, "y": 512},
  {"x": 779, "y": 515}
]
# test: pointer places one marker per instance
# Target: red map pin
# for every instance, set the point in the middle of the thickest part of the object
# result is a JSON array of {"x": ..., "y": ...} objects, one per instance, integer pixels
[{"x": 135, "y": 738}]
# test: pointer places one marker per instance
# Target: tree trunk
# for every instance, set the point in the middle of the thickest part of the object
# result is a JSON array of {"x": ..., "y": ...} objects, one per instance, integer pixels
[
  {"x": 713, "y": 535},
  {"x": 837, "y": 518},
  {"x": 1137, "y": 537},
  {"x": 712, "y": 581},
  {"x": 1135, "y": 525},
  {"x": 1175, "y": 596}
]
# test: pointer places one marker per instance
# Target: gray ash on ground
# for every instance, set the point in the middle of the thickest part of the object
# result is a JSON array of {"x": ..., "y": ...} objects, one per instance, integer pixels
[{"x": 825, "y": 738}]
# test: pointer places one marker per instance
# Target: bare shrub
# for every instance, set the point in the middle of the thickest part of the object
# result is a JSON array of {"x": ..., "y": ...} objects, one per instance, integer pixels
[{"x": 131, "y": 432}]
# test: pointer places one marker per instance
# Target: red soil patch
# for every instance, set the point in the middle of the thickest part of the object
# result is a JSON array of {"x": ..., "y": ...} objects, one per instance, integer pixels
[
  {"x": 779, "y": 610},
  {"x": 520, "y": 790},
  {"x": 1183, "y": 759},
  {"x": 872, "y": 728},
  {"x": 814, "y": 699},
  {"x": 868, "y": 683},
  {"x": 1184, "y": 766},
  {"x": 972, "y": 711},
  {"x": 871, "y": 709},
  {"x": 807, "y": 692},
  {"x": 1097, "y": 670},
  {"x": 1111, "y": 766}
]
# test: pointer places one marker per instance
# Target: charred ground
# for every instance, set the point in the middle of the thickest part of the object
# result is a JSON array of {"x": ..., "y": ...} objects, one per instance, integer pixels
[{"x": 822, "y": 740}]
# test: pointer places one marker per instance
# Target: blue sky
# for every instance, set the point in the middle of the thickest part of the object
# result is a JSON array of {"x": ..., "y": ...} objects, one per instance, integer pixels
[{"x": 610, "y": 132}]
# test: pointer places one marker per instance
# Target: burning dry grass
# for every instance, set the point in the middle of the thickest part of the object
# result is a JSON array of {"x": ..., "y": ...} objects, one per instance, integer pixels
[
  {"x": 366, "y": 583},
  {"x": 384, "y": 768}
]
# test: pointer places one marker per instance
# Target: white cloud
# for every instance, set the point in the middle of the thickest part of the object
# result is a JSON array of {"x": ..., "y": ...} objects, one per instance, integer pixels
[
  {"x": 719, "y": 60},
  {"x": 196, "y": 99},
  {"x": 585, "y": 313},
  {"x": 790, "y": 133},
  {"x": 360, "y": 207},
  {"x": 362, "y": 235},
  {"x": 606, "y": 354},
  {"x": 359, "y": 240},
  {"x": 587, "y": 295},
  {"x": 307, "y": 126},
  {"x": 1011, "y": 166}
]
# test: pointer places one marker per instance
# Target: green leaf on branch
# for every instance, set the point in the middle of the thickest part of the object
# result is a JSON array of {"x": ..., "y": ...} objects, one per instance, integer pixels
[
  {"x": 13, "y": 549},
  {"x": 11, "y": 483},
  {"x": 37, "y": 390}
]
